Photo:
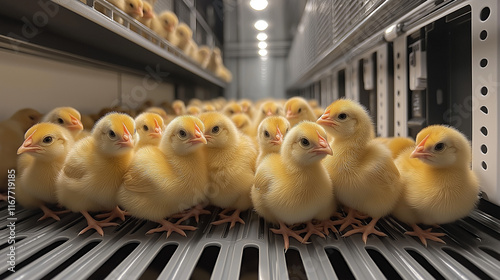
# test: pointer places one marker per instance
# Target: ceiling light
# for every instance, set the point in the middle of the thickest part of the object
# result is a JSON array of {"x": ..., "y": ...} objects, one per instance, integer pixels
[
  {"x": 258, "y": 5},
  {"x": 262, "y": 36},
  {"x": 261, "y": 25},
  {"x": 262, "y": 52},
  {"x": 262, "y": 45}
]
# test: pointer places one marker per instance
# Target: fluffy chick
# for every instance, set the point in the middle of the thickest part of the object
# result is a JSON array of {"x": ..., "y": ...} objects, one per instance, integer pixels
[
  {"x": 148, "y": 14},
  {"x": 165, "y": 180},
  {"x": 396, "y": 144},
  {"x": 11, "y": 136},
  {"x": 292, "y": 186},
  {"x": 67, "y": 117},
  {"x": 203, "y": 55},
  {"x": 270, "y": 135},
  {"x": 247, "y": 107},
  {"x": 165, "y": 25},
  {"x": 231, "y": 166},
  {"x": 94, "y": 169},
  {"x": 193, "y": 110},
  {"x": 41, "y": 159},
  {"x": 363, "y": 173},
  {"x": 439, "y": 186},
  {"x": 242, "y": 122},
  {"x": 266, "y": 109},
  {"x": 298, "y": 109},
  {"x": 232, "y": 108},
  {"x": 157, "y": 110},
  {"x": 133, "y": 8},
  {"x": 179, "y": 107},
  {"x": 184, "y": 36},
  {"x": 149, "y": 128}
]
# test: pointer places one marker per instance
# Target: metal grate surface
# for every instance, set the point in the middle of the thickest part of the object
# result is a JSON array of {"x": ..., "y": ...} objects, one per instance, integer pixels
[{"x": 53, "y": 250}]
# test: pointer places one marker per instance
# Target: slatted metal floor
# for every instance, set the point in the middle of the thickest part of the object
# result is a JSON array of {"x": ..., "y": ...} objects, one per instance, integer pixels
[{"x": 53, "y": 250}]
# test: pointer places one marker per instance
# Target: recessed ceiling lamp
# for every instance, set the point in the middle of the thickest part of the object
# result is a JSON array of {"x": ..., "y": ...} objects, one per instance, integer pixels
[
  {"x": 258, "y": 5},
  {"x": 261, "y": 25},
  {"x": 262, "y": 36},
  {"x": 262, "y": 45},
  {"x": 262, "y": 52}
]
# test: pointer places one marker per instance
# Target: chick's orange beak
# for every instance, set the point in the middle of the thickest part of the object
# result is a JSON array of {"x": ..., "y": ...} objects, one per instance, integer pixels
[
  {"x": 278, "y": 139},
  {"x": 76, "y": 124},
  {"x": 290, "y": 114},
  {"x": 147, "y": 14},
  {"x": 157, "y": 130},
  {"x": 419, "y": 151},
  {"x": 198, "y": 136},
  {"x": 325, "y": 119},
  {"x": 323, "y": 146},
  {"x": 269, "y": 112},
  {"x": 138, "y": 11},
  {"x": 28, "y": 146},
  {"x": 170, "y": 28},
  {"x": 127, "y": 140}
]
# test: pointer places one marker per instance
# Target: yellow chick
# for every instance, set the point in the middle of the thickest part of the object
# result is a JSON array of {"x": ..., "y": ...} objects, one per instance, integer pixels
[
  {"x": 318, "y": 112},
  {"x": 165, "y": 25},
  {"x": 363, "y": 173},
  {"x": 94, "y": 169},
  {"x": 148, "y": 14},
  {"x": 216, "y": 65},
  {"x": 67, "y": 117},
  {"x": 271, "y": 133},
  {"x": 193, "y": 110},
  {"x": 439, "y": 186},
  {"x": 41, "y": 159},
  {"x": 209, "y": 108},
  {"x": 120, "y": 4},
  {"x": 203, "y": 55},
  {"x": 232, "y": 108},
  {"x": 133, "y": 8},
  {"x": 242, "y": 122},
  {"x": 149, "y": 128},
  {"x": 231, "y": 166},
  {"x": 266, "y": 109},
  {"x": 247, "y": 107},
  {"x": 11, "y": 136},
  {"x": 193, "y": 50},
  {"x": 297, "y": 109},
  {"x": 165, "y": 180},
  {"x": 292, "y": 186},
  {"x": 159, "y": 111},
  {"x": 179, "y": 107},
  {"x": 396, "y": 144},
  {"x": 87, "y": 122},
  {"x": 184, "y": 36}
]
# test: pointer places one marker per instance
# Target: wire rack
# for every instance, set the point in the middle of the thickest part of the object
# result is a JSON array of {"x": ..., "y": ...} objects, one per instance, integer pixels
[{"x": 53, "y": 250}]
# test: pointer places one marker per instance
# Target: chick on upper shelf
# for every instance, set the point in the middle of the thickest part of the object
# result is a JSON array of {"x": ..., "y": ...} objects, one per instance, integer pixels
[
  {"x": 297, "y": 109},
  {"x": 41, "y": 158},
  {"x": 133, "y": 8},
  {"x": 165, "y": 180},
  {"x": 94, "y": 169},
  {"x": 203, "y": 55},
  {"x": 165, "y": 25},
  {"x": 149, "y": 127},
  {"x": 184, "y": 36},
  {"x": 69, "y": 118},
  {"x": 231, "y": 166},
  {"x": 396, "y": 144},
  {"x": 148, "y": 14},
  {"x": 216, "y": 65},
  {"x": 292, "y": 186},
  {"x": 363, "y": 173},
  {"x": 11, "y": 136},
  {"x": 438, "y": 185},
  {"x": 270, "y": 135}
]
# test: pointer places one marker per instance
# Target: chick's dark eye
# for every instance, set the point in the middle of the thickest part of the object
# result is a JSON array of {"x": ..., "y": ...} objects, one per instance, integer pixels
[
  {"x": 439, "y": 147},
  {"x": 59, "y": 120},
  {"x": 131, "y": 5},
  {"x": 304, "y": 142},
  {"x": 182, "y": 133},
  {"x": 266, "y": 133},
  {"x": 231, "y": 112},
  {"x": 47, "y": 139},
  {"x": 342, "y": 116},
  {"x": 112, "y": 134},
  {"x": 145, "y": 127},
  {"x": 300, "y": 110},
  {"x": 215, "y": 129}
]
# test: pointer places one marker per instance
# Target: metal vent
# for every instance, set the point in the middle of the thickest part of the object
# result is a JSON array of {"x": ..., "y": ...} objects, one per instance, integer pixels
[{"x": 53, "y": 250}]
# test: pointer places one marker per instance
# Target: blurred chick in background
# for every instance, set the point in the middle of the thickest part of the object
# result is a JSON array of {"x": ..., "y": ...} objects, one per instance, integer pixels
[
  {"x": 165, "y": 25},
  {"x": 204, "y": 53},
  {"x": 149, "y": 128},
  {"x": 297, "y": 109},
  {"x": 270, "y": 135},
  {"x": 266, "y": 109},
  {"x": 184, "y": 36},
  {"x": 12, "y": 132},
  {"x": 243, "y": 123},
  {"x": 396, "y": 144},
  {"x": 69, "y": 118},
  {"x": 163, "y": 114},
  {"x": 247, "y": 107},
  {"x": 232, "y": 108},
  {"x": 362, "y": 171},
  {"x": 179, "y": 107},
  {"x": 292, "y": 186},
  {"x": 167, "y": 179},
  {"x": 148, "y": 14},
  {"x": 133, "y": 8},
  {"x": 94, "y": 169},
  {"x": 438, "y": 185},
  {"x": 193, "y": 110},
  {"x": 231, "y": 166},
  {"x": 41, "y": 158}
]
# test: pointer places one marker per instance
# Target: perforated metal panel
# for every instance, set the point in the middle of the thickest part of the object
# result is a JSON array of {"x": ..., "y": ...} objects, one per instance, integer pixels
[{"x": 50, "y": 249}]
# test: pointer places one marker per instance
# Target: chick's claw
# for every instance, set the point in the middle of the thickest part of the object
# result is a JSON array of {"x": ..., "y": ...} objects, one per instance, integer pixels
[
  {"x": 233, "y": 218},
  {"x": 93, "y": 224},
  {"x": 193, "y": 212},
  {"x": 423, "y": 235},
  {"x": 366, "y": 230},
  {"x": 287, "y": 233},
  {"x": 169, "y": 228},
  {"x": 48, "y": 213}
]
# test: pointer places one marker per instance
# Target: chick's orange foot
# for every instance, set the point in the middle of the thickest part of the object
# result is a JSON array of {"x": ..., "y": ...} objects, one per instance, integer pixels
[
  {"x": 423, "y": 235},
  {"x": 366, "y": 230},
  {"x": 169, "y": 228},
  {"x": 287, "y": 233},
  {"x": 115, "y": 213},
  {"x": 195, "y": 212},
  {"x": 48, "y": 213},
  {"x": 310, "y": 229},
  {"x": 233, "y": 218},
  {"x": 347, "y": 221},
  {"x": 93, "y": 224}
]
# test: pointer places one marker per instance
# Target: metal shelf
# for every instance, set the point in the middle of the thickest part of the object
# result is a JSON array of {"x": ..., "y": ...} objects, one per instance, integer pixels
[
  {"x": 50, "y": 249},
  {"x": 73, "y": 27}
]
